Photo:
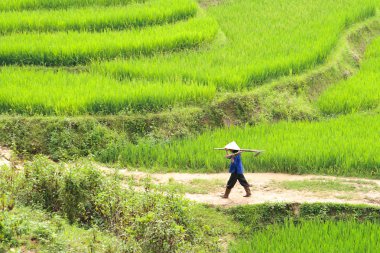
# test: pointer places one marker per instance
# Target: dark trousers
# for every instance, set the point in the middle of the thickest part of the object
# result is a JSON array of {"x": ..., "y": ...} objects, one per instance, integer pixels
[{"x": 235, "y": 177}]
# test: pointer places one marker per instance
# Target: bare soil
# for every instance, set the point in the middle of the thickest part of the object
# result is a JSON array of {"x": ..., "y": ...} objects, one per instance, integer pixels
[
  {"x": 5, "y": 157},
  {"x": 264, "y": 188}
]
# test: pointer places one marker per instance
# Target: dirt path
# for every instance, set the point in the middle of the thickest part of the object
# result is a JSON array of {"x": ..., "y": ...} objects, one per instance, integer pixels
[
  {"x": 267, "y": 187},
  {"x": 5, "y": 157}
]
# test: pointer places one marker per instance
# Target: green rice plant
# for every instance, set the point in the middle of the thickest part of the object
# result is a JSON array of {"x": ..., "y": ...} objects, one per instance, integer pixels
[
  {"x": 313, "y": 236},
  {"x": 47, "y": 92},
  {"x": 8, "y": 5},
  {"x": 98, "y": 18},
  {"x": 73, "y": 48},
  {"x": 348, "y": 145},
  {"x": 361, "y": 92},
  {"x": 260, "y": 40}
]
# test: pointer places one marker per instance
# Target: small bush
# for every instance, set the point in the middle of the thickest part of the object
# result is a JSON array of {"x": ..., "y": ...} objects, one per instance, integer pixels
[
  {"x": 41, "y": 184},
  {"x": 79, "y": 188}
]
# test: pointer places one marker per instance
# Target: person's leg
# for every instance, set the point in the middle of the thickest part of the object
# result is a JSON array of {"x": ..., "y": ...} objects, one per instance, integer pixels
[
  {"x": 230, "y": 184},
  {"x": 242, "y": 180},
  {"x": 245, "y": 184},
  {"x": 232, "y": 181}
]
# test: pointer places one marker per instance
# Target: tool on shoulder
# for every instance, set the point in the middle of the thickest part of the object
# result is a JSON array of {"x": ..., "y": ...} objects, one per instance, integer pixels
[{"x": 234, "y": 146}]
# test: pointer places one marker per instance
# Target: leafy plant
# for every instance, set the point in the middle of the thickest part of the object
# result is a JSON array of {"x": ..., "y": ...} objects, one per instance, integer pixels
[{"x": 149, "y": 221}]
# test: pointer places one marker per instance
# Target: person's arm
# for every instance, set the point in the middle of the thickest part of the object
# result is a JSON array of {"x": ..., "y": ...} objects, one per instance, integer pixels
[{"x": 229, "y": 156}]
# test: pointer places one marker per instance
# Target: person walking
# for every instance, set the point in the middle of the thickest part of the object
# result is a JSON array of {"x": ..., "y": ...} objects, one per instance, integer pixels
[{"x": 236, "y": 170}]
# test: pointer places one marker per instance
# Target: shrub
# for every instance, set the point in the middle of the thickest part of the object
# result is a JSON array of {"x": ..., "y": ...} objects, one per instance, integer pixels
[
  {"x": 149, "y": 221},
  {"x": 80, "y": 186},
  {"x": 41, "y": 184}
]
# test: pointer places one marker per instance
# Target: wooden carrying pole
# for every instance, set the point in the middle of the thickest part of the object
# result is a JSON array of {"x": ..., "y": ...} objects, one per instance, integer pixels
[{"x": 244, "y": 150}]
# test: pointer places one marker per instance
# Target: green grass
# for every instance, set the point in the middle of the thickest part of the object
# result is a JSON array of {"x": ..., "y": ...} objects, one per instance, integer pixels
[
  {"x": 195, "y": 186},
  {"x": 217, "y": 222},
  {"x": 262, "y": 40},
  {"x": 7, "y": 5},
  {"x": 347, "y": 145},
  {"x": 62, "y": 48},
  {"x": 36, "y": 231},
  {"x": 97, "y": 18},
  {"x": 206, "y": 186},
  {"x": 327, "y": 185},
  {"x": 312, "y": 237},
  {"x": 316, "y": 185},
  {"x": 57, "y": 92},
  {"x": 361, "y": 92}
]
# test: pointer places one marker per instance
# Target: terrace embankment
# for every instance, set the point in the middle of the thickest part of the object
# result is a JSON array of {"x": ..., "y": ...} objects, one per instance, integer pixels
[
  {"x": 70, "y": 137},
  {"x": 258, "y": 216}
]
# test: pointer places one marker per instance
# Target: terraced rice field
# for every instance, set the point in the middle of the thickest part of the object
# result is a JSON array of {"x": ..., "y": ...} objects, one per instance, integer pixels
[
  {"x": 313, "y": 236},
  {"x": 62, "y": 48},
  {"x": 174, "y": 53},
  {"x": 168, "y": 41},
  {"x": 347, "y": 145},
  {"x": 9, "y": 5},
  {"x": 62, "y": 93},
  {"x": 114, "y": 79},
  {"x": 69, "y": 36},
  {"x": 361, "y": 92},
  {"x": 71, "y": 33},
  {"x": 276, "y": 38},
  {"x": 97, "y": 18}
]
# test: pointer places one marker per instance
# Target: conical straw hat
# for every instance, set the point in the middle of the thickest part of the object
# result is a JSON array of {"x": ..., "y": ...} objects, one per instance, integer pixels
[{"x": 232, "y": 146}]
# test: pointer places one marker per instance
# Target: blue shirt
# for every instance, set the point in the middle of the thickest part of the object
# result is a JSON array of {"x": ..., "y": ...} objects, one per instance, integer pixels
[{"x": 237, "y": 166}]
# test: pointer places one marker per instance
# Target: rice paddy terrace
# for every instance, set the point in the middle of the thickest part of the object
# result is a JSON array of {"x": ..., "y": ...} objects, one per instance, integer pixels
[
  {"x": 154, "y": 85},
  {"x": 233, "y": 63},
  {"x": 106, "y": 57}
]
